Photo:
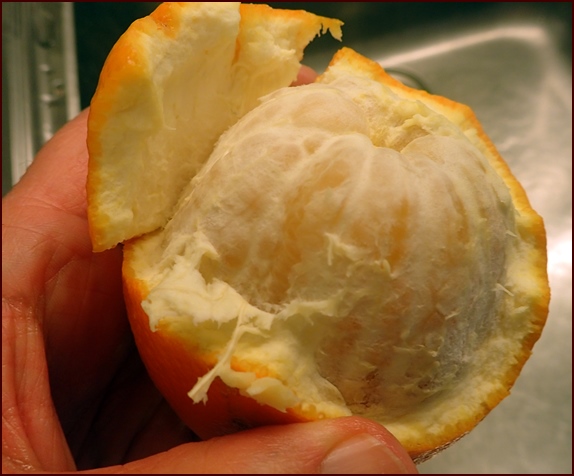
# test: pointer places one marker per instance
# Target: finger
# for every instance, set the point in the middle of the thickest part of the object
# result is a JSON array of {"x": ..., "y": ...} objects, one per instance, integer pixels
[
  {"x": 70, "y": 299},
  {"x": 48, "y": 265},
  {"x": 57, "y": 176},
  {"x": 339, "y": 446},
  {"x": 306, "y": 75}
]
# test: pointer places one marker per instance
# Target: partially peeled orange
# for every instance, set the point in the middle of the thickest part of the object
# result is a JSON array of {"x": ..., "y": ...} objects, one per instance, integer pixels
[{"x": 348, "y": 247}]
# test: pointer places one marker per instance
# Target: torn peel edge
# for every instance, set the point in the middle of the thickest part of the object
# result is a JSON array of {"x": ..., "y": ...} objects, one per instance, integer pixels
[{"x": 310, "y": 25}]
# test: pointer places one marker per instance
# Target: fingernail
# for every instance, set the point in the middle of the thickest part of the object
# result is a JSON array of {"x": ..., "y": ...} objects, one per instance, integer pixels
[{"x": 362, "y": 454}]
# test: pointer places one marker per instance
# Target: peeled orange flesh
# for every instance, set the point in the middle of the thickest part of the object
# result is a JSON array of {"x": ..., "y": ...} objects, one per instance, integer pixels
[{"x": 352, "y": 246}]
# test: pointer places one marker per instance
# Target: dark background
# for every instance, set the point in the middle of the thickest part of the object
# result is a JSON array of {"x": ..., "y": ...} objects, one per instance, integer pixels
[{"x": 99, "y": 25}]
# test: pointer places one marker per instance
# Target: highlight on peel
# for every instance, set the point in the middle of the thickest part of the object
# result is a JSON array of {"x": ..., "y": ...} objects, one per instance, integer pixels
[{"x": 352, "y": 246}]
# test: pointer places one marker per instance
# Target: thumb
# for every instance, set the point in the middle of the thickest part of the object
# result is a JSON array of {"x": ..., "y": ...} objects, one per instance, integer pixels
[{"x": 349, "y": 445}]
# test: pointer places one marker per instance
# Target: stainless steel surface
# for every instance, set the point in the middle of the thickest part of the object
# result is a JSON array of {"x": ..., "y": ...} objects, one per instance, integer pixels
[
  {"x": 39, "y": 81},
  {"x": 511, "y": 64}
]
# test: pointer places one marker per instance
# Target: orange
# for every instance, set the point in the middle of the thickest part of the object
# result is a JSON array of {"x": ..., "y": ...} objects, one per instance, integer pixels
[{"x": 352, "y": 246}]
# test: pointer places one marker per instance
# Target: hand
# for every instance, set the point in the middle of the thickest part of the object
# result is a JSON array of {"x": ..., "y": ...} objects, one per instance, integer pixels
[{"x": 75, "y": 394}]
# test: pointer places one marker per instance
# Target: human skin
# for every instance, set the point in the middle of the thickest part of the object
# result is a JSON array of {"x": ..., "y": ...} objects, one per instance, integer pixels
[{"x": 75, "y": 395}]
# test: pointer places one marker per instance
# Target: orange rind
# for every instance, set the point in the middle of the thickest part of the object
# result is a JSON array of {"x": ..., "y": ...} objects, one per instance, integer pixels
[{"x": 349, "y": 247}]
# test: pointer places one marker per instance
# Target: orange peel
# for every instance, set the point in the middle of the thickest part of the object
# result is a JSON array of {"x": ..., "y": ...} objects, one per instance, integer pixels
[{"x": 353, "y": 246}]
